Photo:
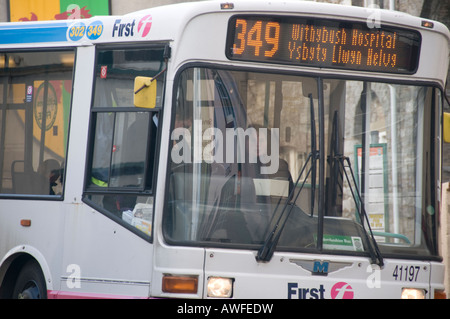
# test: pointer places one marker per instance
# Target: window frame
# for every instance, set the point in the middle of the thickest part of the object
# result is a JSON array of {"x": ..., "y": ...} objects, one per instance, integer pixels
[
  {"x": 64, "y": 164},
  {"x": 148, "y": 186}
]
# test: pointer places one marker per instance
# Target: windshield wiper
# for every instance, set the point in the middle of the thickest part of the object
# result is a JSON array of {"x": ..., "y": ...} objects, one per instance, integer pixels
[
  {"x": 166, "y": 56},
  {"x": 314, "y": 152},
  {"x": 265, "y": 253},
  {"x": 374, "y": 250}
]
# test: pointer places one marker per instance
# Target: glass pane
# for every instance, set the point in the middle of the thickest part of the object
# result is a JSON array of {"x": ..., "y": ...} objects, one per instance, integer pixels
[
  {"x": 35, "y": 105},
  {"x": 120, "y": 149},
  {"x": 116, "y": 71},
  {"x": 245, "y": 157},
  {"x": 136, "y": 212},
  {"x": 238, "y": 139},
  {"x": 14, "y": 158},
  {"x": 103, "y": 147},
  {"x": 23, "y": 61},
  {"x": 376, "y": 133},
  {"x": 129, "y": 150}
]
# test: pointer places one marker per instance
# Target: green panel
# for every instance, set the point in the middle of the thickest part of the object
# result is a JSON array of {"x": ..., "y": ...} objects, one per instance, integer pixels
[{"x": 95, "y": 7}]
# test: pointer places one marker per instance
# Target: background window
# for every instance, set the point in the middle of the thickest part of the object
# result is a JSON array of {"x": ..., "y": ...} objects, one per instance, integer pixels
[{"x": 35, "y": 103}]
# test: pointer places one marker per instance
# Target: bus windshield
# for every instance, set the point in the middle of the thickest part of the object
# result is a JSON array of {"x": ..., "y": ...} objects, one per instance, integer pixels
[{"x": 245, "y": 156}]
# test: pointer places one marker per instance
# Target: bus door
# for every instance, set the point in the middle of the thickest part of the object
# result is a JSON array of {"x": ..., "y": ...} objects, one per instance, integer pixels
[{"x": 121, "y": 171}]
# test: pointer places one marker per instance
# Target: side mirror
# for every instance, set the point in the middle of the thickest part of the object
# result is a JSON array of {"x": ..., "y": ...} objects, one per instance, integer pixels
[
  {"x": 446, "y": 129},
  {"x": 145, "y": 92}
]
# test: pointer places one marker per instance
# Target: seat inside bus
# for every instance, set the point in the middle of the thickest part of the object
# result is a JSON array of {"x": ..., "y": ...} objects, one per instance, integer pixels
[{"x": 26, "y": 181}]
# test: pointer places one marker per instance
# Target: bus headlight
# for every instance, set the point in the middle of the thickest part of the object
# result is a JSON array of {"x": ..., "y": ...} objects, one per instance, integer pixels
[
  {"x": 219, "y": 287},
  {"x": 413, "y": 293}
]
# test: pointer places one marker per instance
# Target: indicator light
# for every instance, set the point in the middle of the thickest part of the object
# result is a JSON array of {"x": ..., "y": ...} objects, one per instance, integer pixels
[
  {"x": 25, "y": 222},
  {"x": 180, "y": 284}
]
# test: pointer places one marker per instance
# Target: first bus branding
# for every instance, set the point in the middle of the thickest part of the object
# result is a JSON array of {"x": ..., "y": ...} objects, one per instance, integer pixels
[
  {"x": 127, "y": 29},
  {"x": 120, "y": 29},
  {"x": 123, "y": 29}
]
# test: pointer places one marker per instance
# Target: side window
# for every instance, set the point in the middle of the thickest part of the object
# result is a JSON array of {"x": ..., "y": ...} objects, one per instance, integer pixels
[
  {"x": 35, "y": 103},
  {"x": 121, "y": 170}
]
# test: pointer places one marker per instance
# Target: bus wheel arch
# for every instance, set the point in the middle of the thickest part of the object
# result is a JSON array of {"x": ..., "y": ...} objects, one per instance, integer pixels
[{"x": 24, "y": 270}]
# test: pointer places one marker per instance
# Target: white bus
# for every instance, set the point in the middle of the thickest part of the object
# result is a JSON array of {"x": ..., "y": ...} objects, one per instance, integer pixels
[{"x": 250, "y": 149}]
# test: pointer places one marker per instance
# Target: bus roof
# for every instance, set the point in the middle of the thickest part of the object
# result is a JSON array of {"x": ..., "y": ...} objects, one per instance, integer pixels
[{"x": 163, "y": 23}]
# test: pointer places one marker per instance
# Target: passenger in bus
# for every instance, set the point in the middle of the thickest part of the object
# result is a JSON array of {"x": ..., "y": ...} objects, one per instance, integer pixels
[
  {"x": 56, "y": 181},
  {"x": 50, "y": 173},
  {"x": 269, "y": 189},
  {"x": 283, "y": 183}
]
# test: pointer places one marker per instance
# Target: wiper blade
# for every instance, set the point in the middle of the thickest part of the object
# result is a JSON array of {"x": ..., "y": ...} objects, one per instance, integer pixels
[
  {"x": 314, "y": 152},
  {"x": 265, "y": 253},
  {"x": 374, "y": 250},
  {"x": 166, "y": 56}
]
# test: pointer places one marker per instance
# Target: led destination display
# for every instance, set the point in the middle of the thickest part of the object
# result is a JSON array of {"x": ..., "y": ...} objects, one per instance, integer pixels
[{"x": 323, "y": 43}]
